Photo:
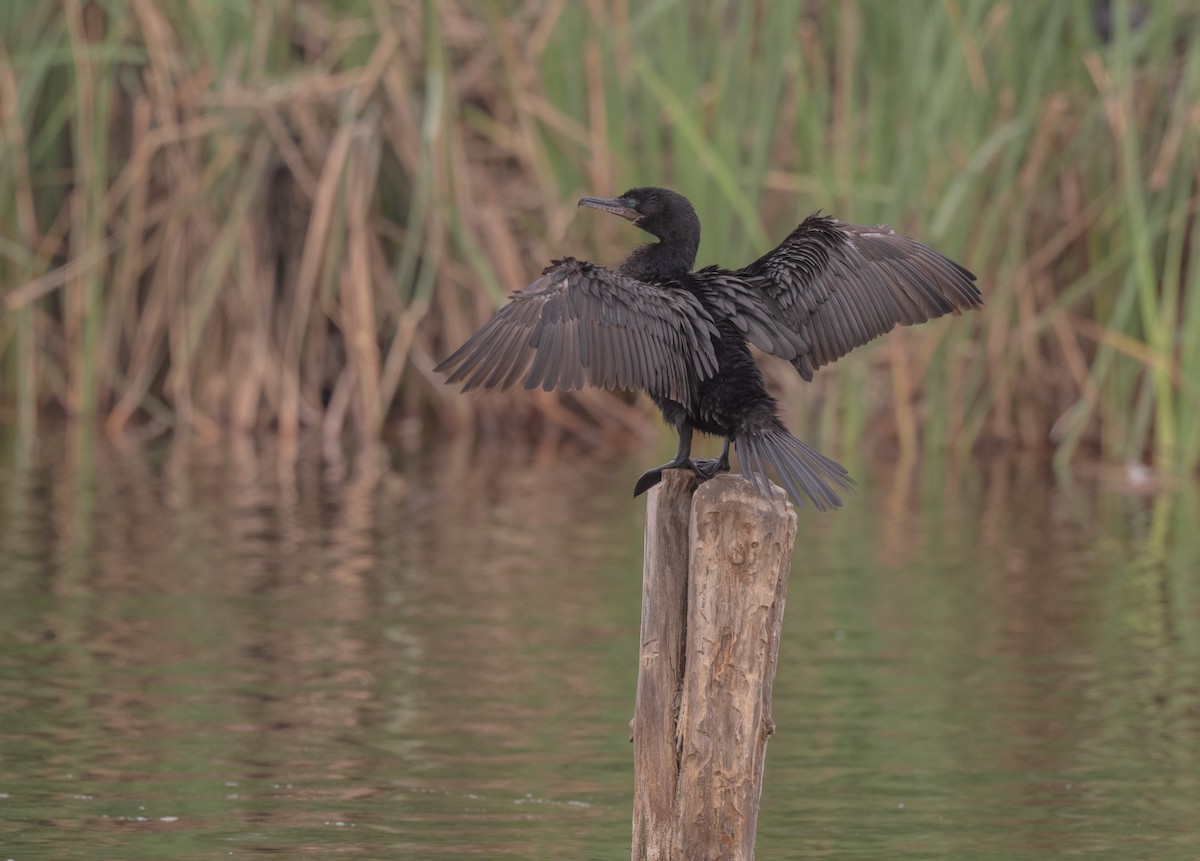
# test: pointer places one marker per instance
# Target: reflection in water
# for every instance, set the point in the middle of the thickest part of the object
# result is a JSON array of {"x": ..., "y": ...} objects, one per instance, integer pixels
[
  {"x": 225, "y": 650},
  {"x": 982, "y": 669}
]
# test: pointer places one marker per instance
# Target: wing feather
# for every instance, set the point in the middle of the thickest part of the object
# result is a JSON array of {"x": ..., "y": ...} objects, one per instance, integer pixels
[
  {"x": 835, "y": 286},
  {"x": 583, "y": 324}
]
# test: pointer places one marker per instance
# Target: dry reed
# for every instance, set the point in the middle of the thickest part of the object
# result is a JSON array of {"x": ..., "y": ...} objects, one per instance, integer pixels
[{"x": 278, "y": 216}]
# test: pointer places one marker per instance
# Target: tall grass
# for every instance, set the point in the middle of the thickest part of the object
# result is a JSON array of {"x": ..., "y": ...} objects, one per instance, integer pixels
[{"x": 278, "y": 215}]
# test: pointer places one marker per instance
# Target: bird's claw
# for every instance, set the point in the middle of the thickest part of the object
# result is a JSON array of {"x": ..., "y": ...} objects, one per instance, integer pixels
[{"x": 706, "y": 468}]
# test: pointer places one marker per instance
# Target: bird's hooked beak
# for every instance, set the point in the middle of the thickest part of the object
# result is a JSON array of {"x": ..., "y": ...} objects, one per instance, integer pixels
[{"x": 618, "y": 206}]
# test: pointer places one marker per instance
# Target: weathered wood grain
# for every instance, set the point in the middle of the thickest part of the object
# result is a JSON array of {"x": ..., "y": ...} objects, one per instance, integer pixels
[
  {"x": 712, "y": 612},
  {"x": 660, "y": 670}
]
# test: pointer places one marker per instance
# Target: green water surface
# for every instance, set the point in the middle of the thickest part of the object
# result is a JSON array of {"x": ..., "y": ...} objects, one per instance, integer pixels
[{"x": 225, "y": 651}]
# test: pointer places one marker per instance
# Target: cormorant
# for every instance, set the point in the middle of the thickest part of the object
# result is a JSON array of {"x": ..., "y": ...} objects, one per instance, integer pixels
[{"x": 681, "y": 335}]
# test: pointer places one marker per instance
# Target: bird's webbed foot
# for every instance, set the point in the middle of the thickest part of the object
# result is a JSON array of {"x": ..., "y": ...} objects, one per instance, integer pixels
[
  {"x": 681, "y": 460},
  {"x": 654, "y": 476},
  {"x": 707, "y": 468},
  {"x": 704, "y": 469},
  {"x": 649, "y": 479}
]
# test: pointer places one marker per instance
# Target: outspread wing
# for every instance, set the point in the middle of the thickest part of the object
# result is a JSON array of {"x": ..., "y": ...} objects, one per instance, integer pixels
[
  {"x": 756, "y": 316},
  {"x": 839, "y": 285},
  {"x": 582, "y": 324}
]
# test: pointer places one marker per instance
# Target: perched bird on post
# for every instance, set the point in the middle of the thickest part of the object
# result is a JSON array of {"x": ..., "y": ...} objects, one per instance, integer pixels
[{"x": 681, "y": 335}]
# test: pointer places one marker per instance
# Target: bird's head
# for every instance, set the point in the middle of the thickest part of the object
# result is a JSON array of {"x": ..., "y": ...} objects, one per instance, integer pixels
[{"x": 658, "y": 211}]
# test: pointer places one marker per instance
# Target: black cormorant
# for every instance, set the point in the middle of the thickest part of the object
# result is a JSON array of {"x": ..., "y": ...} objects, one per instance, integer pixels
[{"x": 681, "y": 335}]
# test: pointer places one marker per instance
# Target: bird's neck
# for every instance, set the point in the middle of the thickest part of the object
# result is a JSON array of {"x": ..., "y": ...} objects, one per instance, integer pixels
[{"x": 663, "y": 259}]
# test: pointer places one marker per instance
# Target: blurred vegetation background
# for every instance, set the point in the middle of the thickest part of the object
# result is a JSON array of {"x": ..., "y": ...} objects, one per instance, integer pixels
[{"x": 221, "y": 216}]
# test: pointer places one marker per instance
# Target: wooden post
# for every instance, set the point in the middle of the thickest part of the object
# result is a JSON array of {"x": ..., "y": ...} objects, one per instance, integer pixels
[
  {"x": 660, "y": 670},
  {"x": 714, "y": 583}
]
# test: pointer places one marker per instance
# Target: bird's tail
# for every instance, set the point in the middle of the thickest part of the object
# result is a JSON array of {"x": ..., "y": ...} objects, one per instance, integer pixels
[{"x": 801, "y": 468}]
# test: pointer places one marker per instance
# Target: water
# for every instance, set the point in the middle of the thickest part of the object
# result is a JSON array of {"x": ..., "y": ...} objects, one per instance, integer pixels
[{"x": 220, "y": 652}]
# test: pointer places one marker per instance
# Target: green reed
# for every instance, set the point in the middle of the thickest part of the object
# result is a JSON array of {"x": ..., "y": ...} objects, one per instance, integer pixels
[{"x": 280, "y": 215}]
